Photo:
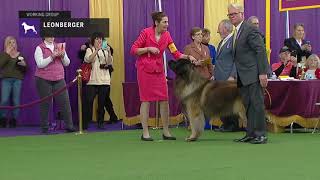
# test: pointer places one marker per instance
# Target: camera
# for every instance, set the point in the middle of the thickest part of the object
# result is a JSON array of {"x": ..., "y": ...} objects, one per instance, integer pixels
[
  {"x": 294, "y": 53},
  {"x": 106, "y": 67}
]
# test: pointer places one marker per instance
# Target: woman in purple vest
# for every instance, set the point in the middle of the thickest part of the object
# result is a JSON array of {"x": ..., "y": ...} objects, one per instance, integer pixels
[{"x": 49, "y": 78}]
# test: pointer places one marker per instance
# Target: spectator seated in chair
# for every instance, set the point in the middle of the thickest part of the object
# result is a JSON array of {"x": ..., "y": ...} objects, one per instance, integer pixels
[
  {"x": 312, "y": 70},
  {"x": 287, "y": 65}
]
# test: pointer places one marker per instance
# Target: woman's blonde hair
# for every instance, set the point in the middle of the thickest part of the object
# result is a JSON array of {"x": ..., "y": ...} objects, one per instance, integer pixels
[
  {"x": 312, "y": 57},
  {"x": 7, "y": 41}
]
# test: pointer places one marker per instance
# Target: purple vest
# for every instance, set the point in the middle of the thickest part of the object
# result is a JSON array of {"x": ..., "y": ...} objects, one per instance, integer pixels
[{"x": 54, "y": 71}]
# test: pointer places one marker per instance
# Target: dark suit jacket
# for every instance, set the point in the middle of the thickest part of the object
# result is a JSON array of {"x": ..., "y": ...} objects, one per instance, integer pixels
[
  {"x": 250, "y": 54},
  {"x": 292, "y": 44},
  {"x": 225, "y": 66}
]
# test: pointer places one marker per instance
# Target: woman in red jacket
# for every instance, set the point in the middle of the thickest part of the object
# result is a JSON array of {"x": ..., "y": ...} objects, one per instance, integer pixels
[{"x": 149, "y": 48}]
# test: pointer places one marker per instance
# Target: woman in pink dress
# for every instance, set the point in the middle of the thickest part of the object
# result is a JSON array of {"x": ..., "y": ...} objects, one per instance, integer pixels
[{"x": 149, "y": 48}]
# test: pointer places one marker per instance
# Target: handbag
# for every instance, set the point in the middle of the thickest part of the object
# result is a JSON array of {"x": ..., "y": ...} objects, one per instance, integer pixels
[{"x": 85, "y": 71}]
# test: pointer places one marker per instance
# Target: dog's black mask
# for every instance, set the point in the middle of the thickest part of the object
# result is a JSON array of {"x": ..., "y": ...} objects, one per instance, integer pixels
[{"x": 180, "y": 67}]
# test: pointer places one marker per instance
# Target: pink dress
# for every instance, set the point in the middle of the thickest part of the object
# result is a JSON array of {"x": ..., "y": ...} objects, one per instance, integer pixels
[{"x": 150, "y": 71}]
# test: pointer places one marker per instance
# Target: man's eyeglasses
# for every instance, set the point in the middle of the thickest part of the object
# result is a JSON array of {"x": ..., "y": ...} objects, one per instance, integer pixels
[{"x": 233, "y": 14}]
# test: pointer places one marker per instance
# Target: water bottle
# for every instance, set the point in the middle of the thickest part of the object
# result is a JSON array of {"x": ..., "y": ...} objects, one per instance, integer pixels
[
  {"x": 274, "y": 76},
  {"x": 308, "y": 76}
]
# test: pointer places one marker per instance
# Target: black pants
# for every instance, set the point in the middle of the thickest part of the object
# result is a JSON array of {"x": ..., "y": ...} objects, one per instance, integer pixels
[
  {"x": 109, "y": 107},
  {"x": 91, "y": 91},
  {"x": 253, "y": 100}
]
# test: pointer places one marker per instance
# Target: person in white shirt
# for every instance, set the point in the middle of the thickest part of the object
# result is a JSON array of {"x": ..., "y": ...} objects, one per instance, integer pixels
[{"x": 99, "y": 83}]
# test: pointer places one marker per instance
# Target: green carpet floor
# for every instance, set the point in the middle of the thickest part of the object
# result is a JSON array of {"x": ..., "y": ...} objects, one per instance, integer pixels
[{"x": 121, "y": 155}]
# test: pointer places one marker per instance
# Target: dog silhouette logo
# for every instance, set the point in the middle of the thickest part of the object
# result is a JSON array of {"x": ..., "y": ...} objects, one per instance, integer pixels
[{"x": 27, "y": 27}]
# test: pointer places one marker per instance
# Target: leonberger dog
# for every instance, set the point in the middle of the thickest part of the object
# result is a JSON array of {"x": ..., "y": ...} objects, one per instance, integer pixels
[{"x": 205, "y": 98}]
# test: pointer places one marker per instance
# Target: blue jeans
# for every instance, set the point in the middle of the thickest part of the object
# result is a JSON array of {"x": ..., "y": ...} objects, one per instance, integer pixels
[{"x": 9, "y": 85}]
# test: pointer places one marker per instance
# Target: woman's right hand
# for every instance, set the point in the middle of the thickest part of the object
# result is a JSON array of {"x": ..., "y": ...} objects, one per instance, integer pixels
[
  {"x": 306, "y": 47},
  {"x": 153, "y": 50},
  {"x": 55, "y": 54},
  {"x": 294, "y": 61},
  {"x": 98, "y": 46},
  {"x": 9, "y": 49}
]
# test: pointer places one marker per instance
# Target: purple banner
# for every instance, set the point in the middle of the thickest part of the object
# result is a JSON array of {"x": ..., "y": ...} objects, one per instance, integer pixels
[{"x": 287, "y": 5}]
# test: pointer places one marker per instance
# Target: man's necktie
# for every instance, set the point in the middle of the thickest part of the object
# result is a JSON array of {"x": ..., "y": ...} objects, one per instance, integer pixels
[{"x": 234, "y": 37}]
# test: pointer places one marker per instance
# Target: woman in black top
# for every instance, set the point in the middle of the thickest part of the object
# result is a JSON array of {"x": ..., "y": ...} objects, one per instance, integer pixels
[
  {"x": 298, "y": 46},
  {"x": 13, "y": 68}
]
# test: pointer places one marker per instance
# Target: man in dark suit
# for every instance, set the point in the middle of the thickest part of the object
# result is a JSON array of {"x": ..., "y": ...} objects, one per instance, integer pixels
[
  {"x": 225, "y": 68},
  {"x": 250, "y": 56},
  {"x": 297, "y": 44},
  {"x": 254, "y": 21}
]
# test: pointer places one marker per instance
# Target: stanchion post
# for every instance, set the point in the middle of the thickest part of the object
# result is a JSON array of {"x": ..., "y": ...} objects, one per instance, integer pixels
[{"x": 79, "y": 79}]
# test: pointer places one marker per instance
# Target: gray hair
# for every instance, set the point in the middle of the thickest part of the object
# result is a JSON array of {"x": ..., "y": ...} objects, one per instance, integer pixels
[
  {"x": 236, "y": 6},
  {"x": 227, "y": 24},
  {"x": 252, "y": 18}
]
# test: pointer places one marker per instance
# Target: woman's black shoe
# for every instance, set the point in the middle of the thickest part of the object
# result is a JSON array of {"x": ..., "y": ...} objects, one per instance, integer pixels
[
  {"x": 100, "y": 125},
  {"x": 146, "y": 139},
  {"x": 168, "y": 137},
  {"x": 191, "y": 139}
]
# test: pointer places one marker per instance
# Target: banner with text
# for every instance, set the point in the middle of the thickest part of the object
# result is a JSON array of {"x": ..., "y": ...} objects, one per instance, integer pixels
[
  {"x": 59, "y": 24},
  {"x": 288, "y": 5}
]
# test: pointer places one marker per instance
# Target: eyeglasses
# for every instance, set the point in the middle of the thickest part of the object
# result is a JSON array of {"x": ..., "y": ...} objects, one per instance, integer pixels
[
  {"x": 198, "y": 34},
  {"x": 233, "y": 14}
]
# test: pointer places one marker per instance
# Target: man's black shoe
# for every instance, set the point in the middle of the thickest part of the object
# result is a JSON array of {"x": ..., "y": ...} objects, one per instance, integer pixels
[
  {"x": 70, "y": 130},
  {"x": 3, "y": 122},
  {"x": 259, "y": 140},
  {"x": 244, "y": 139},
  {"x": 44, "y": 131},
  {"x": 113, "y": 120},
  {"x": 12, "y": 123}
]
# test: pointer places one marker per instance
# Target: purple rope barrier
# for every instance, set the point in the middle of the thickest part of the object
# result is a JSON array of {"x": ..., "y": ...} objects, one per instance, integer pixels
[{"x": 59, "y": 91}]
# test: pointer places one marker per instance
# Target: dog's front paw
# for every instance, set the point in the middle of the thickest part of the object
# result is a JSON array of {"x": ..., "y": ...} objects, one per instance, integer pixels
[{"x": 191, "y": 139}]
